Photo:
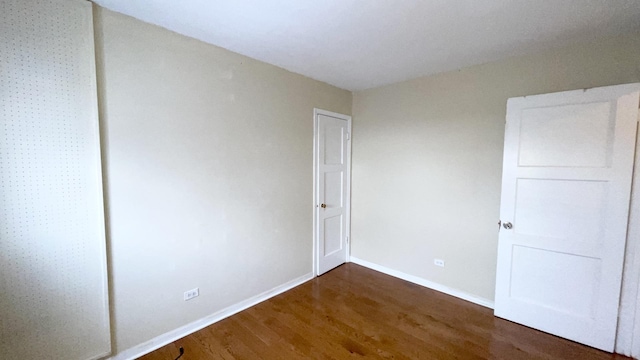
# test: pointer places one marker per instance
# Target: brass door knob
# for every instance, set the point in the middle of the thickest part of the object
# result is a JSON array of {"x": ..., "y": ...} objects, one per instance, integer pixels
[{"x": 323, "y": 206}]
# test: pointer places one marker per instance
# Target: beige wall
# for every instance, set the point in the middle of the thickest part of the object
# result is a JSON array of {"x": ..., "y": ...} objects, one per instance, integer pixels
[
  {"x": 208, "y": 165},
  {"x": 427, "y": 158}
]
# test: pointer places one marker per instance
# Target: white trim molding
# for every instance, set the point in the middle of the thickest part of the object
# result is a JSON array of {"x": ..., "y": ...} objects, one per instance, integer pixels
[
  {"x": 426, "y": 283},
  {"x": 635, "y": 350},
  {"x": 628, "y": 333},
  {"x": 171, "y": 336}
]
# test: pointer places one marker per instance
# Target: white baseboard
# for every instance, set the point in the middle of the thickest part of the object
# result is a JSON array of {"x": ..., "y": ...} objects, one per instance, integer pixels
[
  {"x": 190, "y": 328},
  {"x": 426, "y": 283}
]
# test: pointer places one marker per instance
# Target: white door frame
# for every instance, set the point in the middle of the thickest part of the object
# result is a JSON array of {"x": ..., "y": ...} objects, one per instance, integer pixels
[
  {"x": 629, "y": 315},
  {"x": 316, "y": 204}
]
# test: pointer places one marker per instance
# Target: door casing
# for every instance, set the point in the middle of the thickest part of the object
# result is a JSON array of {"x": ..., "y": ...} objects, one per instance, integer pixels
[{"x": 628, "y": 334}]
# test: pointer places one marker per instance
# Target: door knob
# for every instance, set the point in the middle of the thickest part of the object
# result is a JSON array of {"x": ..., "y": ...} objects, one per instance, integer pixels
[
  {"x": 507, "y": 225},
  {"x": 323, "y": 206}
]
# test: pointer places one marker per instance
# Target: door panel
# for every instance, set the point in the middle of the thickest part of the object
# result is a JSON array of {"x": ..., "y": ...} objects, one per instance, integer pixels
[
  {"x": 333, "y": 142},
  {"x": 554, "y": 279},
  {"x": 332, "y": 235},
  {"x": 548, "y": 135},
  {"x": 332, "y": 190},
  {"x": 556, "y": 211},
  {"x": 566, "y": 189}
]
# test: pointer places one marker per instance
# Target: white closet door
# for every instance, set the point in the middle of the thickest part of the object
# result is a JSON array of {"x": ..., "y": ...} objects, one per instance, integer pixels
[
  {"x": 332, "y": 182},
  {"x": 53, "y": 282}
]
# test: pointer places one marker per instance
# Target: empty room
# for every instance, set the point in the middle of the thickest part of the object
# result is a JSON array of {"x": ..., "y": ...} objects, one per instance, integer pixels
[{"x": 339, "y": 179}]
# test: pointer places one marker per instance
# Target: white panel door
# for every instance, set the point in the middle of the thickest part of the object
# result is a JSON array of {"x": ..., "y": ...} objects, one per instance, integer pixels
[
  {"x": 332, "y": 189},
  {"x": 53, "y": 274},
  {"x": 566, "y": 185}
]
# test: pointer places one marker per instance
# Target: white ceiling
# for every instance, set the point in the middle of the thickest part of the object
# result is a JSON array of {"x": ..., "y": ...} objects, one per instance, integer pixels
[{"x": 359, "y": 44}]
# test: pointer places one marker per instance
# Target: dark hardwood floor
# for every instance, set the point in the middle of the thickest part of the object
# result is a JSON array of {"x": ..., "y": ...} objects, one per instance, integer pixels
[{"x": 354, "y": 312}]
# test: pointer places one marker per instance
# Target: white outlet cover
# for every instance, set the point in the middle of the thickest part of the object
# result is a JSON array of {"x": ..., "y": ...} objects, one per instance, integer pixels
[
  {"x": 190, "y": 294},
  {"x": 438, "y": 262}
]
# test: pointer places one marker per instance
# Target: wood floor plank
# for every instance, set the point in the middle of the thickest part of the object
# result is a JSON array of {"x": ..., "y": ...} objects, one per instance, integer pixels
[
  {"x": 354, "y": 312},
  {"x": 327, "y": 321}
]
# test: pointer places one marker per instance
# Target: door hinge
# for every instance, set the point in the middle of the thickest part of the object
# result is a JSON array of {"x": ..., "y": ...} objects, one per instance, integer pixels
[
  {"x": 347, "y": 239},
  {"x": 348, "y": 136}
]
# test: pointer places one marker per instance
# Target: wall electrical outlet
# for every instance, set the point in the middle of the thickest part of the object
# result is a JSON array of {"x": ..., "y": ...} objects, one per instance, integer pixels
[
  {"x": 438, "y": 262},
  {"x": 188, "y": 295}
]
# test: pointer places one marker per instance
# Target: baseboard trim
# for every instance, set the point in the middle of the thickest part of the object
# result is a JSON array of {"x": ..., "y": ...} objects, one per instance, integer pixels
[
  {"x": 171, "y": 336},
  {"x": 423, "y": 282}
]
